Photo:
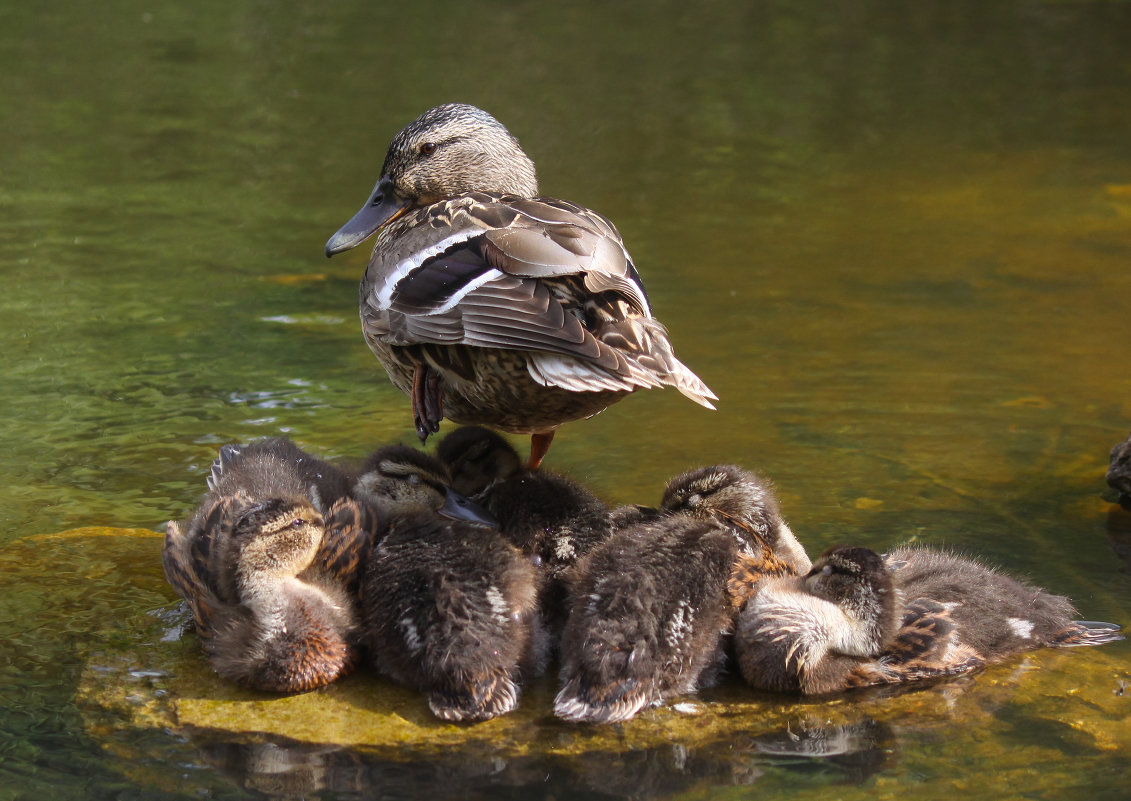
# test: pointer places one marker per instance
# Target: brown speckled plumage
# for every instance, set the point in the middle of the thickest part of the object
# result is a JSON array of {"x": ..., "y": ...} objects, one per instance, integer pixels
[{"x": 489, "y": 305}]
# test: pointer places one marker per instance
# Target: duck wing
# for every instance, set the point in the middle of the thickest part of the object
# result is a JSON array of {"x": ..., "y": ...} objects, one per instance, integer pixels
[
  {"x": 538, "y": 275},
  {"x": 350, "y": 528},
  {"x": 185, "y": 561}
]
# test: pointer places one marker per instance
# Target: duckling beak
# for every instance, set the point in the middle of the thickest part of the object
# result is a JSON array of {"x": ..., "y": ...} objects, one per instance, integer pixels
[
  {"x": 383, "y": 206},
  {"x": 458, "y": 507}
]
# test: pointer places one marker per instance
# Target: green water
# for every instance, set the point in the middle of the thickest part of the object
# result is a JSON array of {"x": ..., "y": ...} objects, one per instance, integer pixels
[{"x": 894, "y": 238}]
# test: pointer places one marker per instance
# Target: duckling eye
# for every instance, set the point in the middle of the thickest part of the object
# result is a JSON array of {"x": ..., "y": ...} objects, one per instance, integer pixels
[
  {"x": 298, "y": 522},
  {"x": 413, "y": 478},
  {"x": 428, "y": 148}
]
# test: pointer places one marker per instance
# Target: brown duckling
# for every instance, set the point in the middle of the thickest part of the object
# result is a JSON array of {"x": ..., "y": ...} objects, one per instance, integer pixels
[
  {"x": 487, "y": 304},
  {"x": 268, "y": 575},
  {"x": 448, "y": 606},
  {"x": 648, "y": 612},
  {"x": 859, "y": 619},
  {"x": 547, "y": 516},
  {"x": 400, "y": 480},
  {"x": 653, "y": 605}
]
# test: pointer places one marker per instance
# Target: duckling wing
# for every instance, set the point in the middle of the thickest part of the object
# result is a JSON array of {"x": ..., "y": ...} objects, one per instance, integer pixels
[
  {"x": 927, "y": 644},
  {"x": 537, "y": 275},
  {"x": 186, "y": 573},
  {"x": 350, "y": 528}
]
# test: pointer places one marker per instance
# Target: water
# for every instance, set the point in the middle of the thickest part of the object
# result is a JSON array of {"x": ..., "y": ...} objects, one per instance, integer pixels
[{"x": 894, "y": 240}]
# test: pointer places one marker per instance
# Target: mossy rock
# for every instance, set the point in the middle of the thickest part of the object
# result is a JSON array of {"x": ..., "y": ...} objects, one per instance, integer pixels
[{"x": 144, "y": 671}]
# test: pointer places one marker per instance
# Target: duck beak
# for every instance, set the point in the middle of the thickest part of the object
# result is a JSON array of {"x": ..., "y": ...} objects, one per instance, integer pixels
[
  {"x": 458, "y": 507},
  {"x": 382, "y": 207}
]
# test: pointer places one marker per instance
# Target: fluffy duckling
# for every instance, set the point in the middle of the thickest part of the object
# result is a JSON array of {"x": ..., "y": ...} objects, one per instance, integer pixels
[
  {"x": 486, "y": 304},
  {"x": 400, "y": 480},
  {"x": 547, "y": 516},
  {"x": 859, "y": 619},
  {"x": 451, "y": 609},
  {"x": 269, "y": 576},
  {"x": 648, "y": 612},
  {"x": 652, "y": 606},
  {"x": 448, "y": 606},
  {"x": 477, "y": 458}
]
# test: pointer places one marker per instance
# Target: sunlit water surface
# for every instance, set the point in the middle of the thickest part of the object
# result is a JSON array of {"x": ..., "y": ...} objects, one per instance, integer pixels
[{"x": 895, "y": 240}]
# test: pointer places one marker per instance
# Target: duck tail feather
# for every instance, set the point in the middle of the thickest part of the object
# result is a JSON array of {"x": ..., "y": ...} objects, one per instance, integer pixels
[
  {"x": 483, "y": 697},
  {"x": 619, "y": 700},
  {"x": 1086, "y": 632}
]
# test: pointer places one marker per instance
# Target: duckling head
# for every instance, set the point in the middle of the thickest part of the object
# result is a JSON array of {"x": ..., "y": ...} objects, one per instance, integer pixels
[
  {"x": 741, "y": 500},
  {"x": 725, "y": 493},
  {"x": 447, "y": 151},
  {"x": 274, "y": 540},
  {"x": 402, "y": 481},
  {"x": 858, "y": 582},
  {"x": 477, "y": 457}
]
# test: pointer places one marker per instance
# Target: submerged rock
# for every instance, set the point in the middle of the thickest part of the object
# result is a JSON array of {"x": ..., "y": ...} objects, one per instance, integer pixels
[{"x": 146, "y": 694}]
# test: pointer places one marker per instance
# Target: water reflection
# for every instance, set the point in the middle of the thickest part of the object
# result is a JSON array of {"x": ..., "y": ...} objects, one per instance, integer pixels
[{"x": 281, "y": 768}]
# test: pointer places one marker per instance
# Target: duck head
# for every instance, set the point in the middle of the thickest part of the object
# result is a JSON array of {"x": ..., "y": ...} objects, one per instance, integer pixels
[
  {"x": 740, "y": 500},
  {"x": 401, "y": 480},
  {"x": 858, "y": 582},
  {"x": 447, "y": 151},
  {"x": 272, "y": 541},
  {"x": 477, "y": 458}
]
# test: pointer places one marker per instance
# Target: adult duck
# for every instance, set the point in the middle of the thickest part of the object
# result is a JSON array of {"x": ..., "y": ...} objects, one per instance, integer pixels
[{"x": 488, "y": 304}]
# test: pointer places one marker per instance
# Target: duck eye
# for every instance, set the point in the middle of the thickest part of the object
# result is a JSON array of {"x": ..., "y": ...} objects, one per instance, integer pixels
[
  {"x": 428, "y": 148},
  {"x": 298, "y": 522}
]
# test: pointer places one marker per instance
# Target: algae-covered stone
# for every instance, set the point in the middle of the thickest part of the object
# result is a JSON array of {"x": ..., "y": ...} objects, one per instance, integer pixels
[{"x": 145, "y": 676}]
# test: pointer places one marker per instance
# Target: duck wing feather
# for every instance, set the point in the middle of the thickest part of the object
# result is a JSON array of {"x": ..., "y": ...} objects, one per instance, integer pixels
[{"x": 537, "y": 275}]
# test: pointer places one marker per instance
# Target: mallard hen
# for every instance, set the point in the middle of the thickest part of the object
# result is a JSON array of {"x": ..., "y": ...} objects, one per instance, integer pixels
[{"x": 488, "y": 304}]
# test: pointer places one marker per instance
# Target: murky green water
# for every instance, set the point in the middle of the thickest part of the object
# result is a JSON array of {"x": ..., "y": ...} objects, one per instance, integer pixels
[{"x": 895, "y": 239}]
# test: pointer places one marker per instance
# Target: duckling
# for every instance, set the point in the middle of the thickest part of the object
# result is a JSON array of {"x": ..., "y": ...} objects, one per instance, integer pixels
[
  {"x": 477, "y": 458},
  {"x": 400, "y": 480},
  {"x": 859, "y": 619},
  {"x": 652, "y": 606},
  {"x": 451, "y": 609},
  {"x": 648, "y": 611},
  {"x": 448, "y": 605},
  {"x": 547, "y": 516},
  {"x": 269, "y": 576},
  {"x": 486, "y": 304}
]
